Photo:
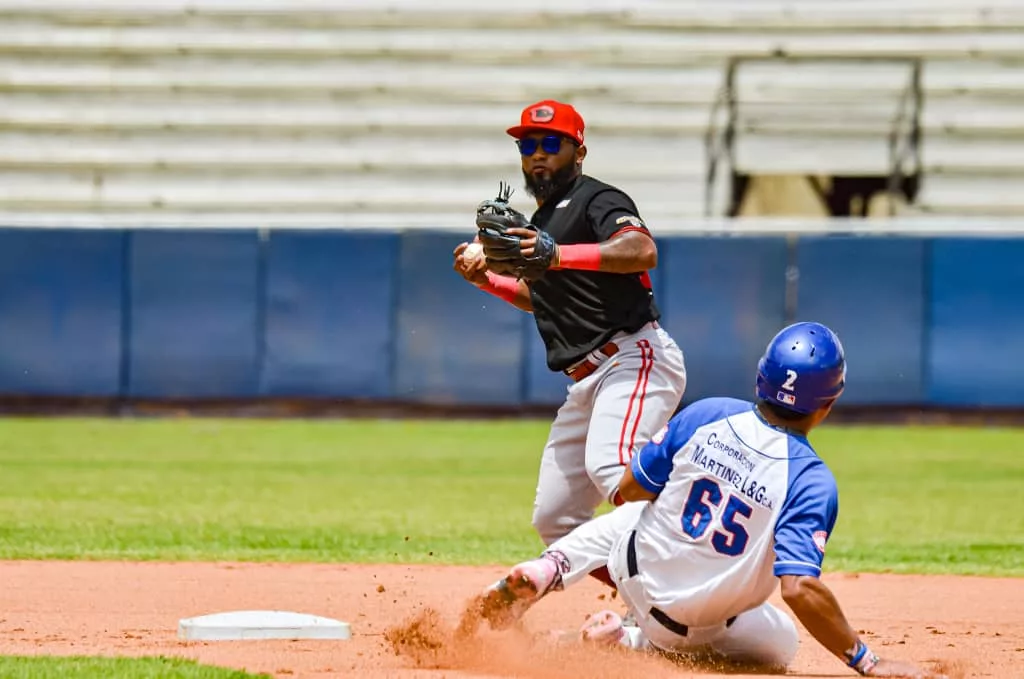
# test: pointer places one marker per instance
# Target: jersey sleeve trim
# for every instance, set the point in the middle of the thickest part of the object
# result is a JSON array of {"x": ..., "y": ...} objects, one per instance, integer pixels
[
  {"x": 796, "y": 568},
  {"x": 627, "y": 229},
  {"x": 643, "y": 479}
]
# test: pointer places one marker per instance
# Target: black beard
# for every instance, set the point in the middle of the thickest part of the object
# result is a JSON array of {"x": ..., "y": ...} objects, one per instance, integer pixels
[{"x": 542, "y": 189}]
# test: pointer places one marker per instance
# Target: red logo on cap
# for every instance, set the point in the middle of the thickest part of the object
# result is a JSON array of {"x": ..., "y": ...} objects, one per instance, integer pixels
[{"x": 542, "y": 114}]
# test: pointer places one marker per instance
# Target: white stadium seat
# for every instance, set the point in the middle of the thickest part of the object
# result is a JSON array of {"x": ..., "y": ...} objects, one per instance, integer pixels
[
  {"x": 499, "y": 46},
  {"x": 69, "y": 192},
  {"x": 344, "y": 119}
]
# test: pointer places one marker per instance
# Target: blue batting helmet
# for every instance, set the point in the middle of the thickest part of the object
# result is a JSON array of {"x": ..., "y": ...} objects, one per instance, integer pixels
[{"x": 803, "y": 368}]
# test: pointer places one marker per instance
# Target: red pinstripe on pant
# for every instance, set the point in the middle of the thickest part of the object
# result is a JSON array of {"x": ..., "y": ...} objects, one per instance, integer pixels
[{"x": 642, "y": 377}]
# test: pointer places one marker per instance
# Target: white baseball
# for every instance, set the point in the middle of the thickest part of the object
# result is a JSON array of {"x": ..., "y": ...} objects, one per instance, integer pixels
[{"x": 473, "y": 252}]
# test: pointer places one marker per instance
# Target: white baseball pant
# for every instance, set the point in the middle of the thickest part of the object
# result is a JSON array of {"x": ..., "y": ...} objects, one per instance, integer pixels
[
  {"x": 763, "y": 635},
  {"x": 606, "y": 418}
]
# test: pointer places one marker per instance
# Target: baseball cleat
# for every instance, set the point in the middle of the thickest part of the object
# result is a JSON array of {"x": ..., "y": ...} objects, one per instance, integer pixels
[
  {"x": 603, "y": 628},
  {"x": 504, "y": 602}
]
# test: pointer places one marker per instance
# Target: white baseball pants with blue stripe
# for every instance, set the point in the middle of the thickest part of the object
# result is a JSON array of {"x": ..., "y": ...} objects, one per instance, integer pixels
[{"x": 763, "y": 635}]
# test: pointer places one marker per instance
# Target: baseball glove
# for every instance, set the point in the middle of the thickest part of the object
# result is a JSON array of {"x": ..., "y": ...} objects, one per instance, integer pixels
[{"x": 503, "y": 250}]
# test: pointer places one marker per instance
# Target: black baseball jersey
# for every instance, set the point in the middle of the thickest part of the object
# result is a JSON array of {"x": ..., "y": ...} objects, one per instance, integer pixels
[{"x": 579, "y": 311}]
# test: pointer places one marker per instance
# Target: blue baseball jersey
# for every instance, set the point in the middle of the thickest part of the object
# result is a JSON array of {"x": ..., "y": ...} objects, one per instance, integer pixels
[{"x": 740, "y": 502}]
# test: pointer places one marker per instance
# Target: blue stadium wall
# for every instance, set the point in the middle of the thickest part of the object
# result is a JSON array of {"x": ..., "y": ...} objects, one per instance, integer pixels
[{"x": 167, "y": 314}]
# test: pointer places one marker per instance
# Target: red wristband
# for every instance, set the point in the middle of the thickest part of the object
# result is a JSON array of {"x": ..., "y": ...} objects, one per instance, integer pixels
[
  {"x": 582, "y": 256},
  {"x": 501, "y": 286}
]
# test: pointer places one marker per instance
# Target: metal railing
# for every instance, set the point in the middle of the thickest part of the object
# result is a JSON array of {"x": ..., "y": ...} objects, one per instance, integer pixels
[
  {"x": 719, "y": 143},
  {"x": 904, "y": 136}
]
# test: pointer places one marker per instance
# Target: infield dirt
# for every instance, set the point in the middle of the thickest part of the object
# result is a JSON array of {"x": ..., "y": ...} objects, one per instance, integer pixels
[{"x": 968, "y": 626}]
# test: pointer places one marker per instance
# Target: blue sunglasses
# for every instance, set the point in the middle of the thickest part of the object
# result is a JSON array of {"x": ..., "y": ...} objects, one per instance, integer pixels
[{"x": 550, "y": 144}]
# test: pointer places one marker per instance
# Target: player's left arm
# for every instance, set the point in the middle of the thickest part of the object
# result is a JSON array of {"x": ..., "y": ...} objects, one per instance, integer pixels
[
  {"x": 624, "y": 243},
  {"x": 801, "y": 533},
  {"x": 818, "y": 610},
  {"x": 802, "y": 530}
]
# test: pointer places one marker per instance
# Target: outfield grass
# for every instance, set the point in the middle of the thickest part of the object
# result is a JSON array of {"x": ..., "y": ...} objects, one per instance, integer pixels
[
  {"x": 921, "y": 499},
  {"x": 47, "y": 667}
]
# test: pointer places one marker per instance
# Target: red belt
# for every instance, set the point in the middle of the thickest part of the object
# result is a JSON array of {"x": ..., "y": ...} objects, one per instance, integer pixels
[{"x": 586, "y": 367}]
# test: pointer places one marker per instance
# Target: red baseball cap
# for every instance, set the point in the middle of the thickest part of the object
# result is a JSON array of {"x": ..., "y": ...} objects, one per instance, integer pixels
[{"x": 550, "y": 115}]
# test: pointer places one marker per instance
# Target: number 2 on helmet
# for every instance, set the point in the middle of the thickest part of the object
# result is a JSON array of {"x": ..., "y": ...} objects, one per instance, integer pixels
[{"x": 790, "y": 382}]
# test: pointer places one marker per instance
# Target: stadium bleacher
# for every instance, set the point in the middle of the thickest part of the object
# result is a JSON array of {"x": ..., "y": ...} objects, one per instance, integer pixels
[{"x": 368, "y": 113}]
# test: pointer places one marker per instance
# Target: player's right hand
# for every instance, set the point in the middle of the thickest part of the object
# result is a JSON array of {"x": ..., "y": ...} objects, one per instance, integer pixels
[
  {"x": 895, "y": 668},
  {"x": 473, "y": 270}
]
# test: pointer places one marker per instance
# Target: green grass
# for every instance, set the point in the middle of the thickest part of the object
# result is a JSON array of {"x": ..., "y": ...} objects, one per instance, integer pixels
[
  {"x": 76, "y": 667},
  {"x": 922, "y": 499}
]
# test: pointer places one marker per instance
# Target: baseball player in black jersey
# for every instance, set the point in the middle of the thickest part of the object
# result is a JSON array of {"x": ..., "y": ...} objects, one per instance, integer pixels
[{"x": 581, "y": 269}]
